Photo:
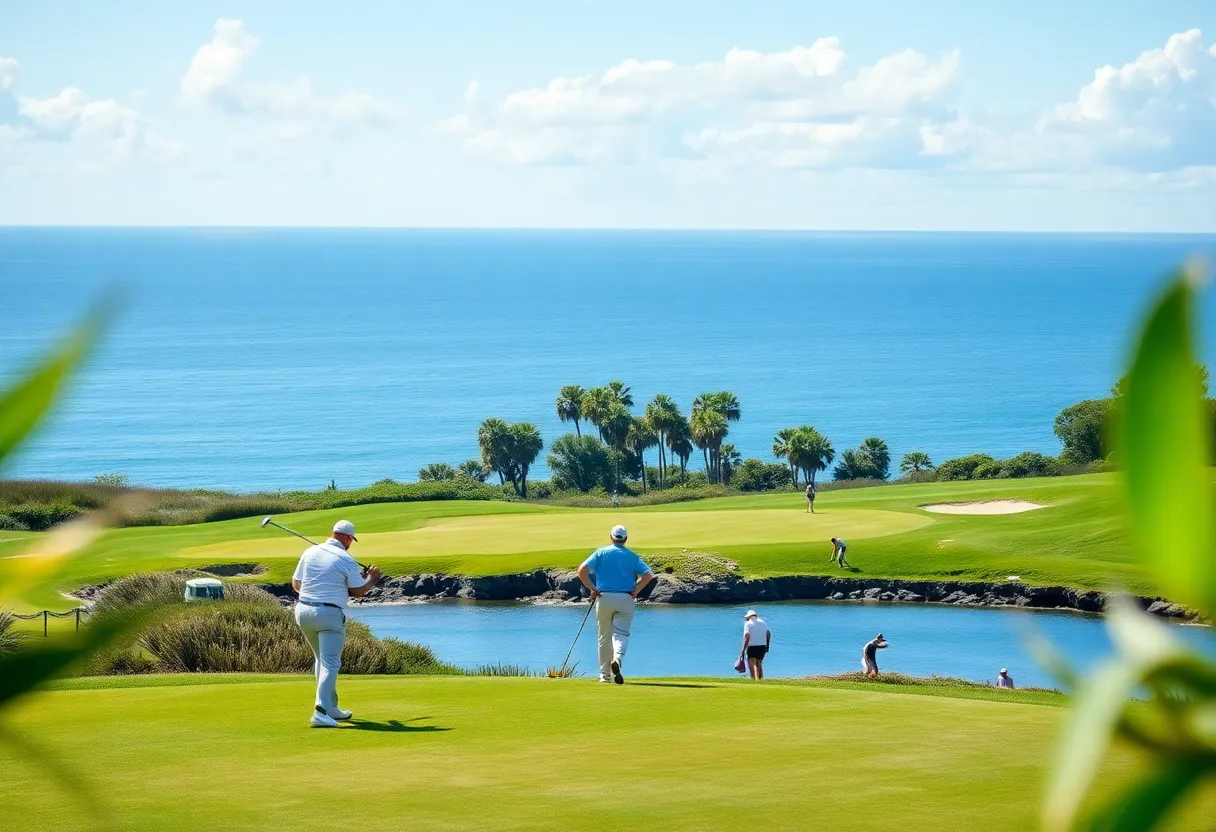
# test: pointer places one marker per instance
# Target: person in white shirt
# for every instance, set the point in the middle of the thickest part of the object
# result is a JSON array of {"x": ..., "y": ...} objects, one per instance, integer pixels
[
  {"x": 757, "y": 639},
  {"x": 1004, "y": 680},
  {"x": 325, "y": 578}
]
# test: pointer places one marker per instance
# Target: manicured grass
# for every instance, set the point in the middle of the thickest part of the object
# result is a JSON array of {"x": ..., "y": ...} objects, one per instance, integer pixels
[
  {"x": 1078, "y": 540},
  {"x": 502, "y": 754}
]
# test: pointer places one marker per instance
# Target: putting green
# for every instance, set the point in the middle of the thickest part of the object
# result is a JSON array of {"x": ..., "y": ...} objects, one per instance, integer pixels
[{"x": 505, "y": 534}]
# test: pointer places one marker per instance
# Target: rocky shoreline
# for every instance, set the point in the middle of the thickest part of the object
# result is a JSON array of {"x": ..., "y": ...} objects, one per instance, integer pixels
[{"x": 552, "y": 585}]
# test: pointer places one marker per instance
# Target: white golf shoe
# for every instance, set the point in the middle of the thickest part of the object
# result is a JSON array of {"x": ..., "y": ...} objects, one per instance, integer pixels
[
  {"x": 320, "y": 720},
  {"x": 340, "y": 715}
]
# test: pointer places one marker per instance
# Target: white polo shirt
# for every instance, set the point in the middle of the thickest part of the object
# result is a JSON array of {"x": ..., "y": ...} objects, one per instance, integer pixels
[
  {"x": 757, "y": 630},
  {"x": 326, "y": 572}
]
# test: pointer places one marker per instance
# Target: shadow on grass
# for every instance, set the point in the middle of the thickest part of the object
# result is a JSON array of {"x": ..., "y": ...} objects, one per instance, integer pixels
[
  {"x": 670, "y": 685},
  {"x": 394, "y": 726}
]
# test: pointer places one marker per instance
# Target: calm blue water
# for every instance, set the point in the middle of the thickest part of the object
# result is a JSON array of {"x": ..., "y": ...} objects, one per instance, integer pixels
[
  {"x": 282, "y": 359},
  {"x": 808, "y": 637}
]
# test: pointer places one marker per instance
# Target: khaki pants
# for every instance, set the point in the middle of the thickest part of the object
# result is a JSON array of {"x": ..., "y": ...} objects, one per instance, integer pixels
[
  {"x": 324, "y": 629},
  {"x": 613, "y": 617}
]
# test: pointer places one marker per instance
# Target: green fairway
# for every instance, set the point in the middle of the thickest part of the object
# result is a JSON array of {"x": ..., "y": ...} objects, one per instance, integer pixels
[
  {"x": 475, "y": 753},
  {"x": 1077, "y": 540}
]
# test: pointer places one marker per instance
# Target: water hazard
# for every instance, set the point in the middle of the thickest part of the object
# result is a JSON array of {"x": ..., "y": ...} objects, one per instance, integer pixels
[{"x": 808, "y": 637}]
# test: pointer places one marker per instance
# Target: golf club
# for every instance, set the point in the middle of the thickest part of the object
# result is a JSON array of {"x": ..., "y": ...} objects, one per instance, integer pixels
[
  {"x": 562, "y": 673},
  {"x": 268, "y": 521}
]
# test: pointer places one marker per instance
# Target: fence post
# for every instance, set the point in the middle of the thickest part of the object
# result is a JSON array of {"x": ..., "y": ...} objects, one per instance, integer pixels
[
  {"x": 45, "y": 633},
  {"x": 78, "y": 619}
]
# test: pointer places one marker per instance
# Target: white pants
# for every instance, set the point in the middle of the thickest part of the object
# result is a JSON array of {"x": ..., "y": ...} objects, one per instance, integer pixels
[
  {"x": 613, "y": 617},
  {"x": 324, "y": 629}
]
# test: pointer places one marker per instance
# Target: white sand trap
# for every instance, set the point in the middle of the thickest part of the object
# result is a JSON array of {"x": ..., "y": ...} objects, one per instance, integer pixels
[{"x": 985, "y": 507}]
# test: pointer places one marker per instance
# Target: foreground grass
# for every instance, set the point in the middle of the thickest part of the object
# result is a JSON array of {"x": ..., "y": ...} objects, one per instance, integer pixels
[
  {"x": 1078, "y": 540},
  {"x": 195, "y": 753}
]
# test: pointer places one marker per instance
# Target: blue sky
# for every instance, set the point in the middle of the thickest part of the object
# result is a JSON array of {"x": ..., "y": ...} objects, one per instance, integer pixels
[{"x": 882, "y": 115}]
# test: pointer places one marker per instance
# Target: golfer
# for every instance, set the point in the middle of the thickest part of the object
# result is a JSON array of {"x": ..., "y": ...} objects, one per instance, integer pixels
[
  {"x": 1004, "y": 680},
  {"x": 810, "y": 497},
  {"x": 869, "y": 655},
  {"x": 325, "y": 578},
  {"x": 615, "y": 576},
  {"x": 838, "y": 550},
  {"x": 757, "y": 640}
]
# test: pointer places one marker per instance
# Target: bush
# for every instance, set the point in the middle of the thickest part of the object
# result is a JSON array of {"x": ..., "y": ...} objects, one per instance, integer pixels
[
  {"x": 987, "y": 471},
  {"x": 10, "y": 639},
  {"x": 1028, "y": 464},
  {"x": 38, "y": 517},
  {"x": 9, "y": 524},
  {"x": 581, "y": 463},
  {"x": 755, "y": 475},
  {"x": 1083, "y": 428},
  {"x": 963, "y": 467}
]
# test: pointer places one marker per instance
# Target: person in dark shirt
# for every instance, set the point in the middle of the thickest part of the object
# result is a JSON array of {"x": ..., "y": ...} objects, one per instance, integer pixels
[
  {"x": 869, "y": 655},
  {"x": 810, "y": 497}
]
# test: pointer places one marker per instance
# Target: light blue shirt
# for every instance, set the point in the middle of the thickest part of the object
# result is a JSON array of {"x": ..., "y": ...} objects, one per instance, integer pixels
[{"x": 615, "y": 569}]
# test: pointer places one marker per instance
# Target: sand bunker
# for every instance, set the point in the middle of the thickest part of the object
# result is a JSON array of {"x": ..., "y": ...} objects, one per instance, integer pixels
[{"x": 985, "y": 507}]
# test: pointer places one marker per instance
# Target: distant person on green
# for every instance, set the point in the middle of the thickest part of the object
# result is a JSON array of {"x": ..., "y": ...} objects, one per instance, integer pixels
[
  {"x": 615, "y": 576},
  {"x": 1004, "y": 680},
  {"x": 325, "y": 579},
  {"x": 810, "y": 497},
  {"x": 838, "y": 550}
]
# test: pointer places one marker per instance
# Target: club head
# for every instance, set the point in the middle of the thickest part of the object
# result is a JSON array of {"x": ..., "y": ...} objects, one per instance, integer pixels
[{"x": 265, "y": 520}]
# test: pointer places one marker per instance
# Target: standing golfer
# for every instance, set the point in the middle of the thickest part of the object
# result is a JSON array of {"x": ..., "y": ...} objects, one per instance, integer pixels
[
  {"x": 615, "y": 576},
  {"x": 810, "y": 497},
  {"x": 326, "y": 577},
  {"x": 869, "y": 655},
  {"x": 838, "y": 549},
  {"x": 757, "y": 640}
]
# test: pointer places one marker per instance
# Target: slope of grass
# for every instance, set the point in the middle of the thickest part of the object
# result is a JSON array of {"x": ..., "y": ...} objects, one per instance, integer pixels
[
  {"x": 1078, "y": 540},
  {"x": 503, "y": 754}
]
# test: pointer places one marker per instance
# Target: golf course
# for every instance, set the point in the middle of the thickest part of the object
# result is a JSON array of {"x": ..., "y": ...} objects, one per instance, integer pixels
[
  {"x": 1075, "y": 539},
  {"x": 195, "y": 753}
]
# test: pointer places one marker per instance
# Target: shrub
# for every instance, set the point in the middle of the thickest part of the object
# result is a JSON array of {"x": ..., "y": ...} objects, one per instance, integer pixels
[
  {"x": 41, "y": 516},
  {"x": 987, "y": 471},
  {"x": 1083, "y": 427},
  {"x": 112, "y": 480},
  {"x": 581, "y": 462},
  {"x": 963, "y": 467},
  {"x": 502, "y": 669},
  {"x": 9, "y": 524},
  {"x": 10, "y": 639},
  {"x": 1028, "y": 464},
  {"x": 755, "y": 475}
]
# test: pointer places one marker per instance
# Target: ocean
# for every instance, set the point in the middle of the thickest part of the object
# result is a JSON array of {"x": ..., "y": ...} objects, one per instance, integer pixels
[{"x": 280, "y": 359}]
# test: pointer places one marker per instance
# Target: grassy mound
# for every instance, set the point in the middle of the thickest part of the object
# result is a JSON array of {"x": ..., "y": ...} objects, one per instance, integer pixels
[
  {"x": 248, "y": 632},
  {"x": 688, "y": 565}
]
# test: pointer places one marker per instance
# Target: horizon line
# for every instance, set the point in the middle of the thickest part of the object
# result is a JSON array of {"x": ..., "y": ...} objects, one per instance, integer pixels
[{"x": 601, "y": 229}]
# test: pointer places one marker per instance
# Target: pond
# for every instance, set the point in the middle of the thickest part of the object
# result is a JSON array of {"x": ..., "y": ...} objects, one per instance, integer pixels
[{"x": 808, "y": 637}]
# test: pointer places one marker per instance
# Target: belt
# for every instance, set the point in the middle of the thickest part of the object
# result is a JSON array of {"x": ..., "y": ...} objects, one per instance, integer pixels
[{"x": 317, "y": 604}]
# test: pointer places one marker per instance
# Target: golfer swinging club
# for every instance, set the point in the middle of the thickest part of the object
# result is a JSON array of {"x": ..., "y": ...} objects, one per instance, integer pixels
[
  {"x": 325, "y": 578},
  {"x": 615, "y": 576}
]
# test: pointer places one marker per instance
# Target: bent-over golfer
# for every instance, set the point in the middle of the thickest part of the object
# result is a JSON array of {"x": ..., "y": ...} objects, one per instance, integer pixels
[
  {"x": 869, "y": 655},
  {"x": 615, "y": 576},
  {"x": 839, "y": 547},
  {"x": 326, "y": 577}
]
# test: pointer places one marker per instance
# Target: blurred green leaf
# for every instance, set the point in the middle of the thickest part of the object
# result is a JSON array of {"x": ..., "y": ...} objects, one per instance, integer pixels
[
  {"x": 23, "y": 406},
  {"x": 1164, "y": 440},
  {"x": 1143, "y": 804},
  {"x": 1141, "y": 639},
  {"x": 1091, "y": 722}
]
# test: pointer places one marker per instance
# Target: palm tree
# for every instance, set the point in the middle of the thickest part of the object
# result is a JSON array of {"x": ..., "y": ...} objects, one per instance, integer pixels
[
  {"x": 781, "y": 449},
  {"x": 493, "y": 438},
  {"x": 809, "y": 451},
  {"x": 598, "y": 403},
  {"x": 729, "y": 459},
  {"x": 708, "y": 430},
  {"x": 724, "y": 402},
  {"x": 664, "y": 416},
  {"x": 525, "y": 446},
  {"x": 472, "y": 469},
  {"x": 914, "y": 462},
  {"x": 570, "y": 405},
  {"x": 621, "y": 393},
  {"x": 877, "y": 457},
  {"x": 679, "y": 441},
  {"x": 437, "y": 471},
  {"x": 640, "y": 436}
]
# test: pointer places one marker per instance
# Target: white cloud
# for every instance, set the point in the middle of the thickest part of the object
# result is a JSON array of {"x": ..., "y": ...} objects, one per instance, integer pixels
[
  {"x": 8, "y": 72},
  {"x": 71, "y": 115},
  {"x": 216, "y": 77},
  {"x": 801, "y": 107}
]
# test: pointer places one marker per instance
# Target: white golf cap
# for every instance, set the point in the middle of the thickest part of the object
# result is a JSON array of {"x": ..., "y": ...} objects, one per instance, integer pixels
[
  {"x": 345, "y": 527},
  {"x": 751, "y": 614},
  {"x": 619, "y": 533},
  {"x": 1003, "y": 670}
]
